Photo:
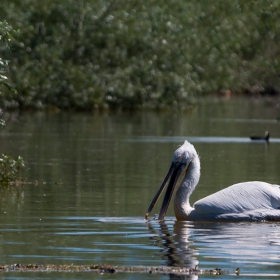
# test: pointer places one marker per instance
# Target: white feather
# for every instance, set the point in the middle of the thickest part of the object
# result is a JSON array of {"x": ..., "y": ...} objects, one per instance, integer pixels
[{"x": 240, "y": 197}]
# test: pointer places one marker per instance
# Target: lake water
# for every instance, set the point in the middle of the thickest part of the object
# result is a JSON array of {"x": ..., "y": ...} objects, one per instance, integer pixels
[{"x": 98, "y": 172}]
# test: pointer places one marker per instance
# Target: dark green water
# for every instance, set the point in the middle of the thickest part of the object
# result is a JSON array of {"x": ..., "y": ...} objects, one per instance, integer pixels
[{"x": 100, "y": 172}]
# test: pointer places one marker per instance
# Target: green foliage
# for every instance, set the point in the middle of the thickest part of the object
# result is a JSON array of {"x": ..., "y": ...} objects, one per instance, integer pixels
[
  {"x": 9, "y": 169},
  {"x": 130, "y": 54},
  {"x": 2, "y": 122},
  {"x": 4, "y": 38}
]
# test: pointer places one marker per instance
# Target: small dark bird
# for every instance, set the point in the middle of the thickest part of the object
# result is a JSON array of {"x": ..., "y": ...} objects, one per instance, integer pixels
[
  {"x": 265, "y": 137},
  {"x": 237, "y": 271}
]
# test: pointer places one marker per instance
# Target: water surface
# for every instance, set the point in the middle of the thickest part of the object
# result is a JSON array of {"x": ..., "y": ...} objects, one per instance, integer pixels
[{"x": 98, "y": 172}]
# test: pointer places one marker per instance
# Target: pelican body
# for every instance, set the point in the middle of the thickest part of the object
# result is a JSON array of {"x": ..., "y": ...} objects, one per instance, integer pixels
[{"x": 248, "y": 201}]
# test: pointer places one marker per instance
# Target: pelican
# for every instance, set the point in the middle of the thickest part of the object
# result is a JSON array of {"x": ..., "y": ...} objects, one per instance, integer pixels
[{"x": 247, "y": 201}]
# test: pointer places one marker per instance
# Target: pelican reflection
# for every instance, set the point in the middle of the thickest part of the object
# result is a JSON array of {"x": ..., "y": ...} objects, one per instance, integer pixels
[
  {"x": 173, "y": 240},
  {"x": 217, "y": 245}
]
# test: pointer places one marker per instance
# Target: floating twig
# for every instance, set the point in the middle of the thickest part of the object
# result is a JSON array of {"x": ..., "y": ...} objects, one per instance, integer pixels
[{"x": 109, "y": 269}]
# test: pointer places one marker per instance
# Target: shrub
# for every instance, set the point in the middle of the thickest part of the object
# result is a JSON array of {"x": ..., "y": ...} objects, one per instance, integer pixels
[
  {"x": 9, "y": 169},
  {"x": 131, "y": 54}
]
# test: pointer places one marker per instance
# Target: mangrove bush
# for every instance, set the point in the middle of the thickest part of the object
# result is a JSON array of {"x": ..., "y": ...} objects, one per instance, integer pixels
[
  {"x": 9, "y": 167},
  {"x": 131, "y": 54}
]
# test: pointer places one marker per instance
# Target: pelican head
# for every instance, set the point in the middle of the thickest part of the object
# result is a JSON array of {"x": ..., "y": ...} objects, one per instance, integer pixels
[{"x": 180, "y": 173}]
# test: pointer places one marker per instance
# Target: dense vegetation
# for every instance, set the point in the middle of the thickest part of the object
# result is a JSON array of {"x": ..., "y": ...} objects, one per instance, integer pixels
[
  {"x": 98, "y": 53},
  {"x": 5, "y": 31},
  {"x": 9, "y": 167}
]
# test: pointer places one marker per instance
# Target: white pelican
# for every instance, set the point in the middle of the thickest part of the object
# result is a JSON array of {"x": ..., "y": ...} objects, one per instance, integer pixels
[{"x": 249, "y": 201}]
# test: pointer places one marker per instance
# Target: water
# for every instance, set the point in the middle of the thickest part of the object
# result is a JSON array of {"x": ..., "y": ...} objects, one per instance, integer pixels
[{"x": 98, "y": 172}]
